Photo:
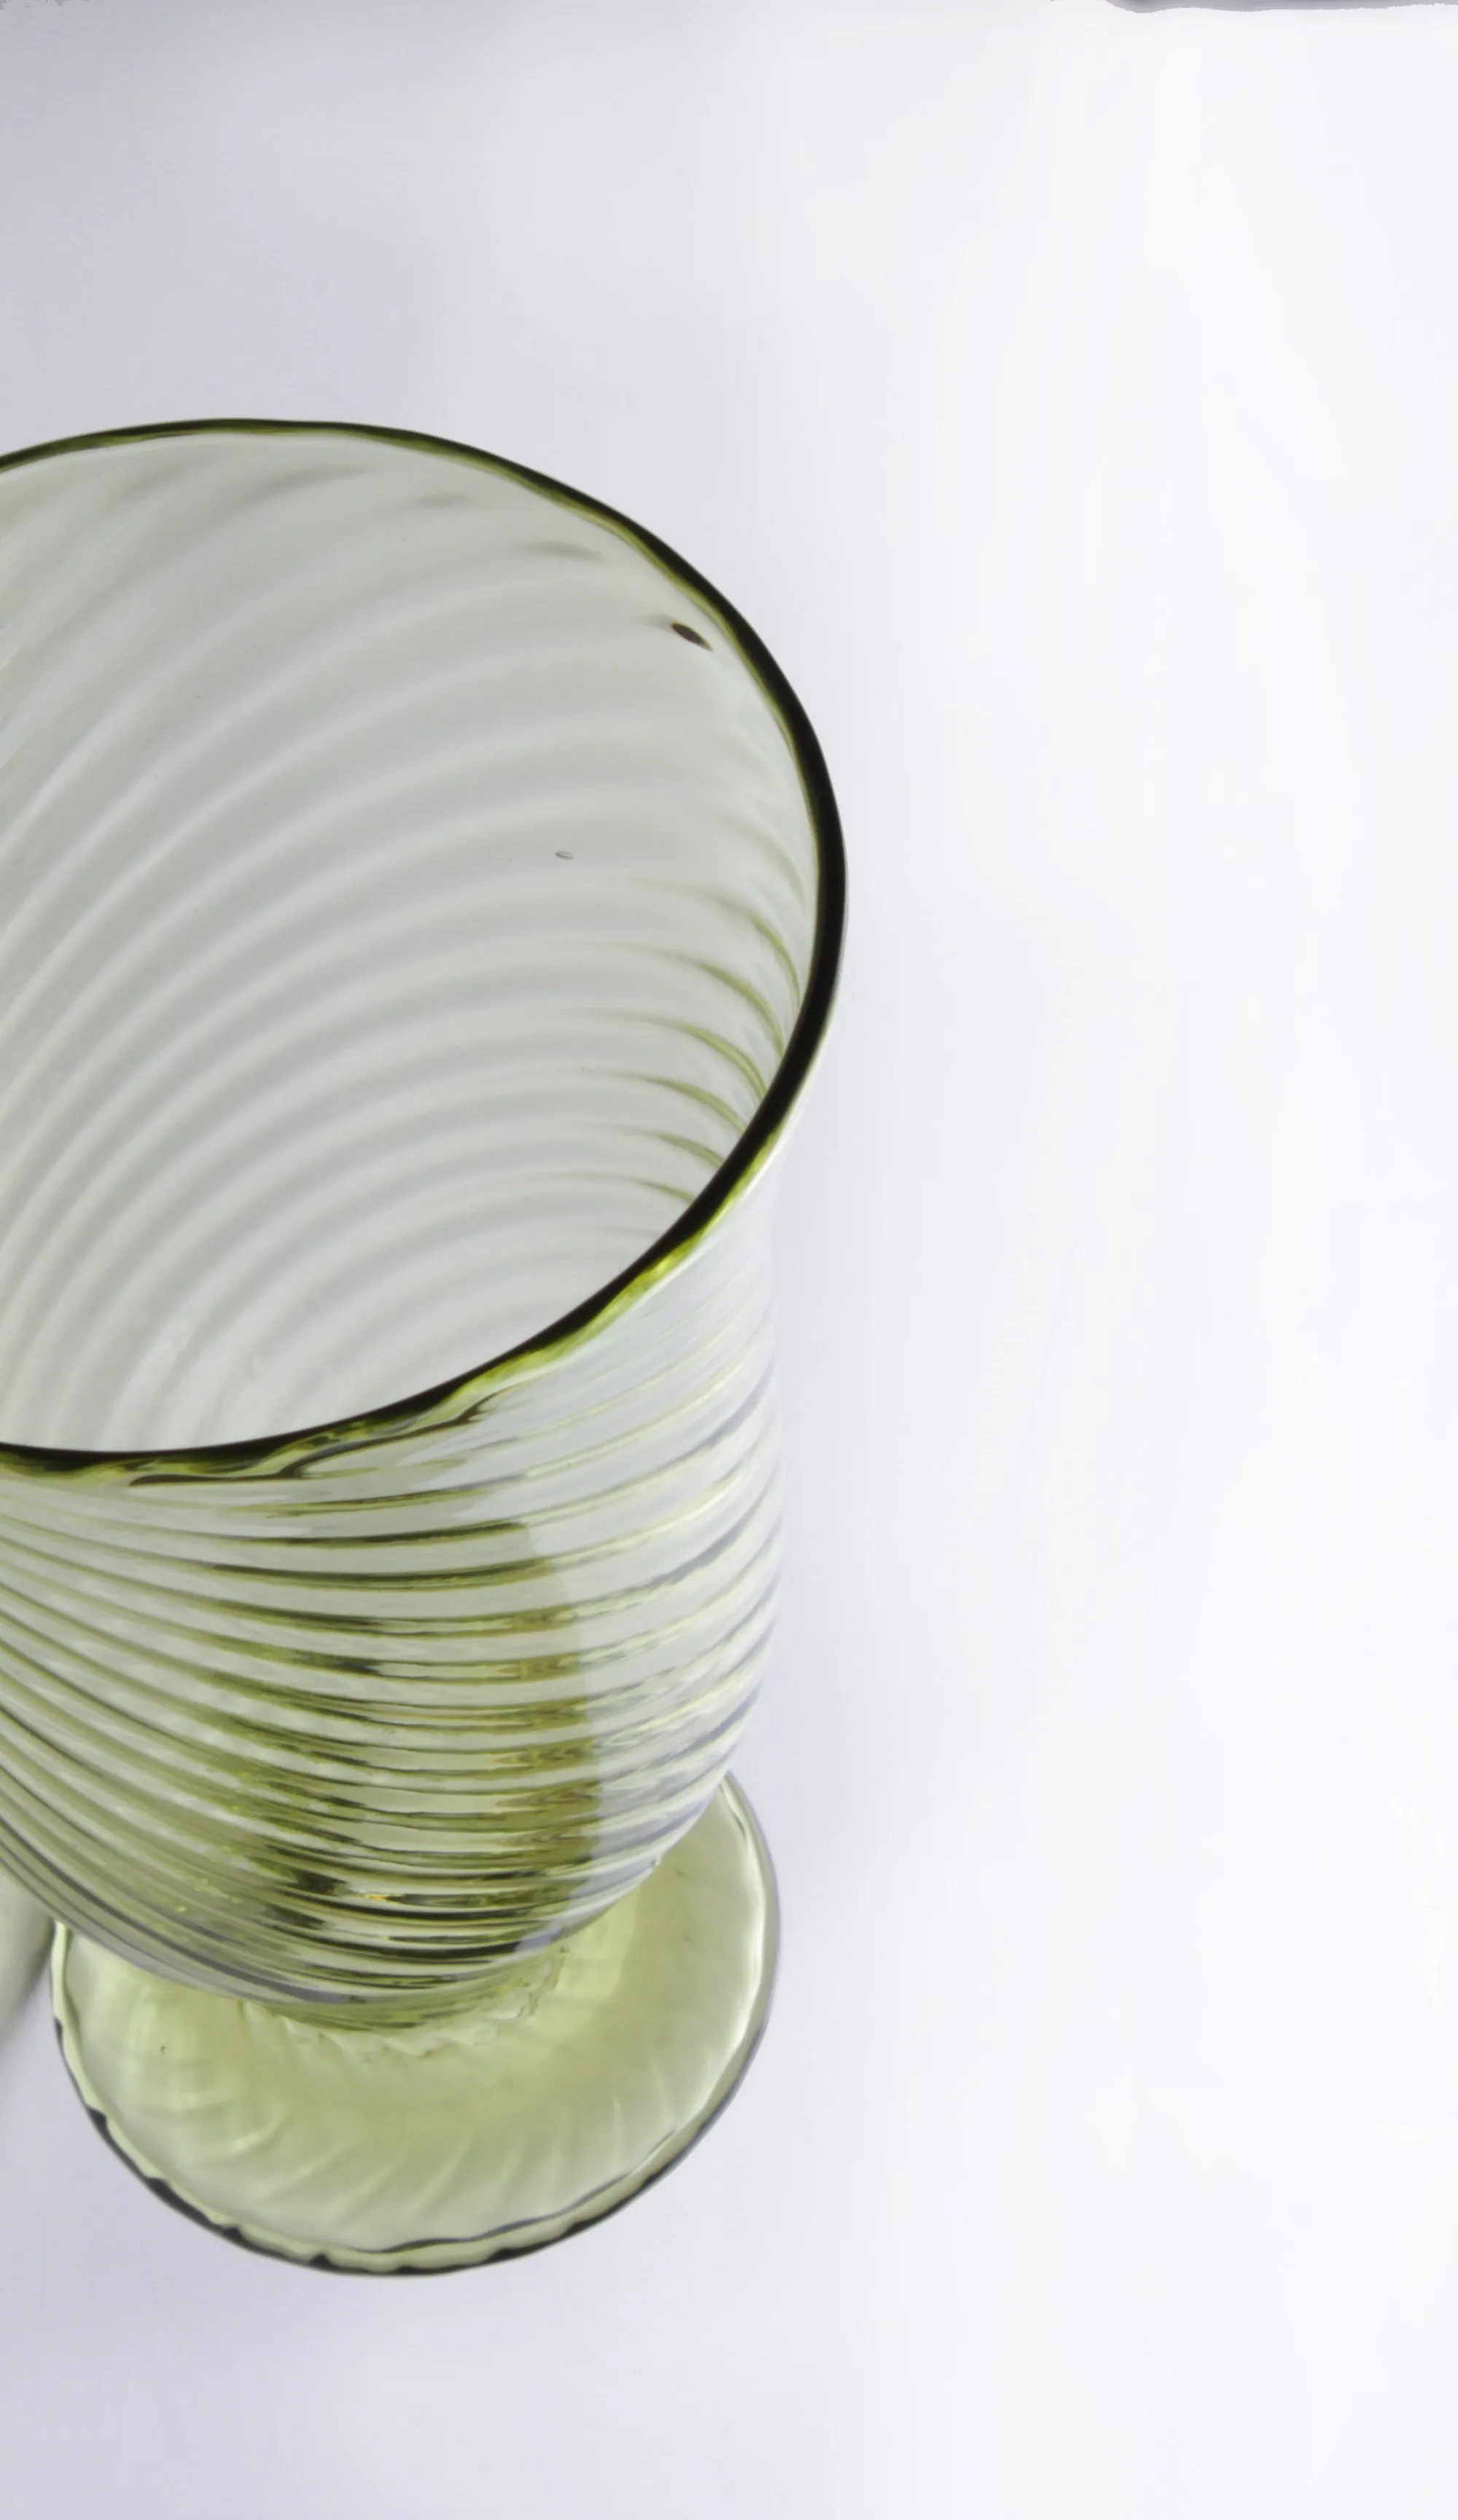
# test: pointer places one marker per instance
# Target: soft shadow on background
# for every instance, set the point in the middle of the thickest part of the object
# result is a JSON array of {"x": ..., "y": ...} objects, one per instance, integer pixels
[{"x": 1250, "y": 8}]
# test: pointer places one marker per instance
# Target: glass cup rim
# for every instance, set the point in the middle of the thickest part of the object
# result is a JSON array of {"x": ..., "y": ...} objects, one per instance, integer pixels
[{"x": 769, "y": 1118}]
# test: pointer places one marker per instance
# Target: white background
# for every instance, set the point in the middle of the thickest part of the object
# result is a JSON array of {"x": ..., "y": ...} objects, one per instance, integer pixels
[{"x": 1071, "y": 399}]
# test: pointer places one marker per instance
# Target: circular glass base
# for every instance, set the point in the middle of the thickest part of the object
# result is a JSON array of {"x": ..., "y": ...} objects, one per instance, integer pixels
[{"x": 584, "y": 2074}]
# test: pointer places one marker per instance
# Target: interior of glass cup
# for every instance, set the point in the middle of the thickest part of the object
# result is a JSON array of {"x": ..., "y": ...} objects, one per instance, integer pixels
[{"x": 407, "y": 891}]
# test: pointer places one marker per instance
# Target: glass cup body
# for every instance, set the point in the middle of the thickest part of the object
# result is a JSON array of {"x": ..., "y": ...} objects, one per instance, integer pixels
[{"x": 420, "y": 906}]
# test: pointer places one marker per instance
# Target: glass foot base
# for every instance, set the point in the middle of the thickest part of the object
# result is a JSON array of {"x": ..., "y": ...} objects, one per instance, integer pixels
[{"x": 551, "y": 2101}]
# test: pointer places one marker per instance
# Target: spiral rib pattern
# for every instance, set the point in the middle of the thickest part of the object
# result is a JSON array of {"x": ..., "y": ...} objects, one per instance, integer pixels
[
  {"x": 408, "y": 890},
  {"x": 360, "y": 1725},
  {"x": 406, "y": 897}
]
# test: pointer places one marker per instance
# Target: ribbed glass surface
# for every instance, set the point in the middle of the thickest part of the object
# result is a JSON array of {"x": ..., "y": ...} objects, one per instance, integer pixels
[
  {"x": 586, "y": 2071},
  {"x": 419, "y": 903}
]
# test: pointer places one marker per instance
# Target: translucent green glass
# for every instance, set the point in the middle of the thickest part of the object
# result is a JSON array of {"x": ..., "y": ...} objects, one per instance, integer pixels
[
  {"x": 420, "y": 902},
  {"x": 587, "y": 2071}
]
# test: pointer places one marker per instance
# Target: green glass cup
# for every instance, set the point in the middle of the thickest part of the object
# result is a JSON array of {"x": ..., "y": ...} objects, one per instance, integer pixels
[{"x": 420, "y": 901}]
